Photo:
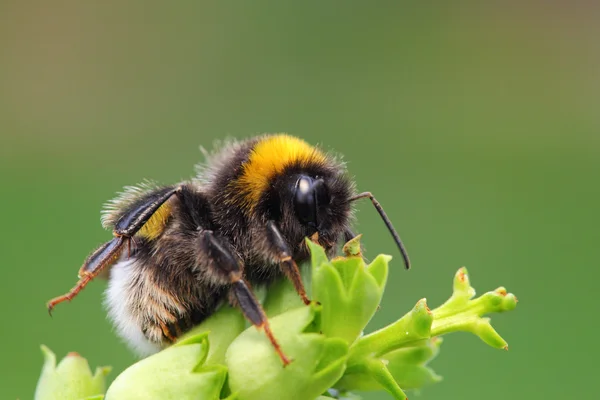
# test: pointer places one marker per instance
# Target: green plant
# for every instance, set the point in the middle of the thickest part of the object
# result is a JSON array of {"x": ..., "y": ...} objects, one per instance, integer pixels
[{"x": 221, "y": 358}]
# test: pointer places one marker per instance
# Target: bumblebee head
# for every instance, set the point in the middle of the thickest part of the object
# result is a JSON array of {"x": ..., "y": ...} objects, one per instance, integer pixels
[
  {"x": 305, "y": 191},
  {"x": 305, "y": 201}
]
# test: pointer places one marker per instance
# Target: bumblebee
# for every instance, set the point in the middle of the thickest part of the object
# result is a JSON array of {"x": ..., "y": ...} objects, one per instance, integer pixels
[{"x": 178, "y": 252}]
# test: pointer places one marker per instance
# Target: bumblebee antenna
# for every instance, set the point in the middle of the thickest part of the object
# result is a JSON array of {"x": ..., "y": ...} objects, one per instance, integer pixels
[{"x": 388, "y": 223}]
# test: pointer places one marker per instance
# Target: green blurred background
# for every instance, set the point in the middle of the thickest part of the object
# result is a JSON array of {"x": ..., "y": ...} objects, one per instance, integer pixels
[{"x": 476, "y": 127}]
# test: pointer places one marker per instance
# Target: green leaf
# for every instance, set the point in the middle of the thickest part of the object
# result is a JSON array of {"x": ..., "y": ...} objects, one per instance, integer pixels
[
  {"x": 407, "y": 366},
  {"x": 257, "y": 372}
]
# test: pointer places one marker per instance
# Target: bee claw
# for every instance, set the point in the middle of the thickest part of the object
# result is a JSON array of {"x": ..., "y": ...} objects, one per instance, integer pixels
[{"x": 287, "y": 362}]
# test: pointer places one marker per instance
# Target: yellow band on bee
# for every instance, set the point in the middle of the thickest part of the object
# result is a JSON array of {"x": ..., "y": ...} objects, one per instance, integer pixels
[
  {"x": 156, "y": 224},
  {"x": 268, "y": 158}
]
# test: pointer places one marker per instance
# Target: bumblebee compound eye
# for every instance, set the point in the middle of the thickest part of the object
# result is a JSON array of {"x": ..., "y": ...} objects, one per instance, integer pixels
[
  {"x": 304, "y": 200},
  {"x": 309, "y": 195}
]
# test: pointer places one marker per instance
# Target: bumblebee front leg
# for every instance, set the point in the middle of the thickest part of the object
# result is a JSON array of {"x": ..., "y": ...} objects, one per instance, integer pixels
[
  {"x": 223, "y": 263},
  {"x": 286, "y": 262},
  {"x": 125, "y": 228}
]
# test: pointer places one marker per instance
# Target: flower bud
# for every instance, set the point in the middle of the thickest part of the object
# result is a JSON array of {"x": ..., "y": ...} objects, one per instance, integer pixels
[
  {"x": 349, "y": 290},
  {"x": 463, "y": 313},
  {"x": 222, "y": 328},
  {"x": 72, "y": 379},
  {"x": 177, "y": 372}
]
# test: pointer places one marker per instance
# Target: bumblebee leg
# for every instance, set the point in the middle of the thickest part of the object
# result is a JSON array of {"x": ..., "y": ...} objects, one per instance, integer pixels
[
  {"x": 127, "y": 226},
  {"x": 348, "y": 235},
  {"x": 92, "y": 266},
  {"x": 159, "y": 332},
  {"x": 287, "y": 264},
  {"x": 225, "y": 265},
  {"x": 167, "y": 331},
  {"x": 255, "y": 314}
]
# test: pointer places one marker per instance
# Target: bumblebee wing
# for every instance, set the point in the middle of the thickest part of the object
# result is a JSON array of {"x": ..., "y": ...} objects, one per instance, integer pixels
[{"x": 142, "y": 210}]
